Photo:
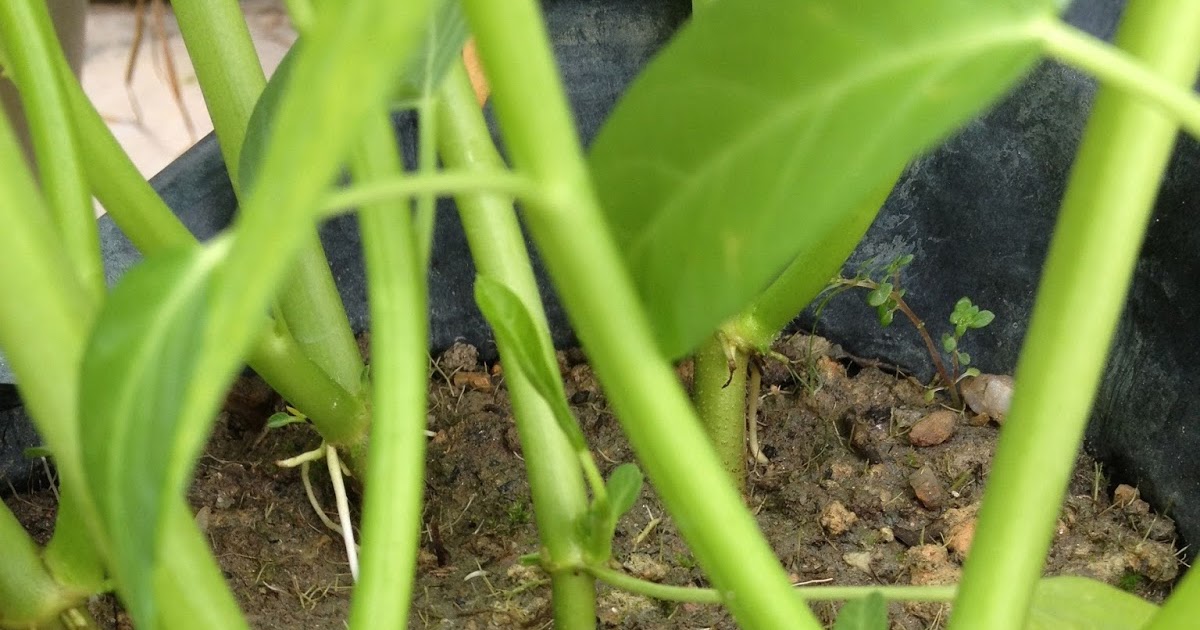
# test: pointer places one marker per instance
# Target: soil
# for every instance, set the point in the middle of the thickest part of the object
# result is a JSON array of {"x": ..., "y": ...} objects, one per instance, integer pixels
[{"x": 846, "y": 499}]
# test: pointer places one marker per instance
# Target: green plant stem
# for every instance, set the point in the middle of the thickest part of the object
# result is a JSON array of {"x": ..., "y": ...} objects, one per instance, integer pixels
[
  {"x": 670, "y": 593},
  {"x": 606, "y": 312},
  {"x": 227, "y": 69},
  {"x": 391, "y": 523},
  {"x": 456, "y": 182},
  {"x": 232, "y": 79},
  {"x": 498, "y": 248},
  {"x": 72, "y": 555},
  {"x": 1108, "y": 203},
  {"x": 664, "y": 592},
  {"x": 426, "y": 205},
  {"x": 804, "y": 278},
  {"x": 152, "y": 227},
  {"x": 28, "y": 594},
  {"x": 41, "y": 332},
  {"x": 719, "y": 393},
  {"x": 27, "y": 28},
  {"x": 1121, "y": 70}
]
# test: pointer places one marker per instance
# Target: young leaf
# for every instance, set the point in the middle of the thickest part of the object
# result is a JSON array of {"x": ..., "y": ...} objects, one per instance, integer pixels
[
  {"x": 764, "y": 121},
  {"x": 514, "y": 326},
  {"x": 278, "y": 420},
  {"x": 1075, "y": 603},
  {"x": 964, "y": 359},
  {"x": 982, "y": 318},
  {"x": 137, "y": 370},
  {"x": 886, "y": 315},
  {"x": 949, "y": 342},
  {"x": 446, "y": 34},
  {"x": 624, "y": 486},
  {"x": 445, "y": 37},
  {"x": 866, "y": 613},
  {"x": 880, "y": 294}
]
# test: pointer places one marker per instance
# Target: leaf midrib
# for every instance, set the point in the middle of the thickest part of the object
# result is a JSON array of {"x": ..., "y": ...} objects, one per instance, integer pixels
[{"x": 834, "y": 91}]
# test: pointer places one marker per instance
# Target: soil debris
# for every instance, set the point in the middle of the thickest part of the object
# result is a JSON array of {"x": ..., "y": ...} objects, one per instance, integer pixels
[{"x": 847, "y": 499}]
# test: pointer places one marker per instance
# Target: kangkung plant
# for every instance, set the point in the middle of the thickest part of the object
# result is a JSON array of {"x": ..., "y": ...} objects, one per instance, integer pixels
[{"x": 729, "y": 184}]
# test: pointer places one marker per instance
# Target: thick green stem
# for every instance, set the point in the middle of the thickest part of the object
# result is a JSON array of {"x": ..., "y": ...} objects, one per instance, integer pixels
[
  {"x": 498, "y": 248},
  {"x": 1108, "y": 203},
  {"x": 227, "y": 69},
  {"x": 41, "y": 331},
  {"x": 231, "y": 79},
  {"x": 399, "y": 336},
  {"x": 1122, "y": 71},
  {"x": 28, "y": 594},
  {"x": 805, "y": 277},
  {"x": 606, "y": 312},
  {"x": 720, "y": 398},
  {"x": 31, "y": 43}
]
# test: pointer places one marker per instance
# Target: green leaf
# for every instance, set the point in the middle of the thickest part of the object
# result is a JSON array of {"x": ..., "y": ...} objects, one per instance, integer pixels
[
  {"x": 880, "y": 294},
  {"x": 517, "y": 332},
  {"x": 1075, "y": 603},
  {"x": 964, "y": 359},
  {"x": 971, "y": 372},
  {"x": 981, "y": 319},
  {"x": 886, "y": 315},
  {"x": 749, "y": 137},
  {"x": 624, "y": 486},
  {"x": 445, "y": 37},
  {"x": 258, "y": 129},
  {"x": 866, "y": 613},
  {"x": 281, "y": 419},
  {"x": 446, "y": 34},
  {"x": 949, "y": 343},
  {"x": 137, "y": 371}
]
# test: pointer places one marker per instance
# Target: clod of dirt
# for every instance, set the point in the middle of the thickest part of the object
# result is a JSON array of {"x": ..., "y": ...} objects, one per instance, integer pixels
[
  {"x": 459, "y": 357},
  {"x": 836, "y": 519},
  {"x": 934, "y": 428},
  {"x": 989, "y": 394},
  {"x": 928, "y": 488},
  {"x": 1125, "y": 497},
  {"x": 1154, "y": 560},
  {"x": 644, "y": 566},
  {"x": 960, "y": 529}
]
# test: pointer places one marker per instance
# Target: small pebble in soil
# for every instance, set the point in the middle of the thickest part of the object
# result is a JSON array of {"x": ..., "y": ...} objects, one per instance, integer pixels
[
  {"x": 928, "y": 488},
  {"x": 989, "y": 394},
  {"x": 474, "y": 380},
  {"x": 934, "y": 428},
  {"x": 836, "y": 519}
]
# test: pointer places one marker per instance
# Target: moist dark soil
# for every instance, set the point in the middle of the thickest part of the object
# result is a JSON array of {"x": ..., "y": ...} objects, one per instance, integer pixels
[{"x": 846, "y": 499}]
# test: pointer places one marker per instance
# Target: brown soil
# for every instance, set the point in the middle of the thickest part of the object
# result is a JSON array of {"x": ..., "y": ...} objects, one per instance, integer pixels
[{"x": 838, "y": 502}]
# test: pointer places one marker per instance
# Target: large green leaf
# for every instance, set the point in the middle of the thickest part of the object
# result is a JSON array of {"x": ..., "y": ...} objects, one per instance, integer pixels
[
  {"x": 445, "y": 35},
  {"x": 749, "y": 137},
  {"x": 1076, "y": 603},
  {"x": 137, "y": 372}
]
